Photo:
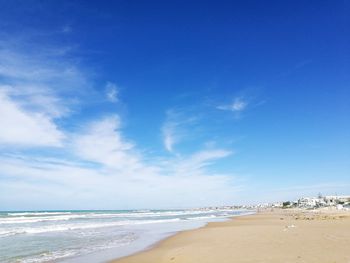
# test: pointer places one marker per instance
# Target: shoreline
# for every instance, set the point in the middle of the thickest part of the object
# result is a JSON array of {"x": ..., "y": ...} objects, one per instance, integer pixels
[
  {"x": 159, "y": 242},
  {"x": 291, "y": 235},
  {"x": 175, "y": 233}
]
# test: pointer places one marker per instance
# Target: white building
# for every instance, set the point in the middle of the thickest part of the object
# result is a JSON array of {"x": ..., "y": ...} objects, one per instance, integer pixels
[
  {"x": 330, "y": 200},
  {"x": 308, "y": 202},
  {"x": 335, "y": 199}
]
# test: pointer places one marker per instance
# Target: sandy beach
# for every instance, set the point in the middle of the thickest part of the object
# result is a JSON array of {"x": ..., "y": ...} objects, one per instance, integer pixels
[{"x": 270, "y": 236}]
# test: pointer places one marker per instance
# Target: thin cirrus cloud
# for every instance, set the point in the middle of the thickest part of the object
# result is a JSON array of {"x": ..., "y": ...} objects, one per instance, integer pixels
[
  {"x": 45, "y": 80},
  {"x": 169, "y": 136},
  {"x": 112, "y": 92},
  {"x": 175, "y": 127},
  {"x": 33, "y": 86},
  {"x": 51, "y": 67},
  {"x": 238, "y": 105},
  {"x": 197, "y": 162}
]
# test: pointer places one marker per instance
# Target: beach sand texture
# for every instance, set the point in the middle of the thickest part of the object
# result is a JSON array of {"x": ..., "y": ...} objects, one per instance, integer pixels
[{"x": 279, "y": 236}]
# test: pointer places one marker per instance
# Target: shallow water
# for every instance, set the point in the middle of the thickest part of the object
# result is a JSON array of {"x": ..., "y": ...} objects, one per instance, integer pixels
[{"x": 92, "y": 236}]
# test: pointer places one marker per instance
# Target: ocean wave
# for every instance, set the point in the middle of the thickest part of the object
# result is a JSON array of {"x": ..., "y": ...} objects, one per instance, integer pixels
[
  {"x": 204, "y": 217},
  {"x": 35, "y": 217},
  {"x": 49, "y": 257},
  {"x": 53, "y": 256},
  {"x": 154, "y": 214},
  {"x": 37, "y": 213},
  {"x": 78, "y": 226},
  {"x": 92, "y": 231},
  {"x": 24, "y": 219}
]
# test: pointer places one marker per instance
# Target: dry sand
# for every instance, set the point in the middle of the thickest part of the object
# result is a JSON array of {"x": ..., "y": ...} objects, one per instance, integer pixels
[{"x": 271, "y": 237}]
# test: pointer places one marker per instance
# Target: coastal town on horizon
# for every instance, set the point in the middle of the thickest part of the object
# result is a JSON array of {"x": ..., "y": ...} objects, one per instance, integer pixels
[{"x": 327, "y": 202}]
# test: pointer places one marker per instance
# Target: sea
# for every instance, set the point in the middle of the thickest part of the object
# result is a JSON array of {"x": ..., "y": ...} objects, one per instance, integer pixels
[{"x": 94, "y": 236}]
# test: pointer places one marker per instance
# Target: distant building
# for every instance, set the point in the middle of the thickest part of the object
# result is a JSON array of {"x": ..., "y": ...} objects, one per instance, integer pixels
[
  {"x": 335, "y": 199},
  {"x": 308, "y": 202},
  {"x": 326, "y": 201}
]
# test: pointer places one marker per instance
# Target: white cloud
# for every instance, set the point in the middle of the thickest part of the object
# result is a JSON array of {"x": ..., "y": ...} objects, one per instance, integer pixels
[
  {"x": 112, "y": 92},
  {"x": 201, "y": 158},
  {"x": 111, "y": 173},
  {"x": 105, "y": 169},
  {"x": 169, "y": 136},
  {"x": 237, "y": 105},
  {"x": 76, "y": 187},
  {"x": 196, "y": 163},
  {"x": 43, "y": 77},
  {"x": 49, "y": 104},
  {"x": 39, "y": 66},
  {"x": 102, "y": 142},
  {"x": 35, "y": 90},
  {"x": 21, "y": 127},
  {"x": 175, "y": 128}
]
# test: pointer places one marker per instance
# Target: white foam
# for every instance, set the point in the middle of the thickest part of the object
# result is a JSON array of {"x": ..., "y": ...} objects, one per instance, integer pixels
[
  {"x": 90, "y": 230},
  {"x": 55, "y": 220},
  {"x": 78, "y": 226},
  {"x": 49, "y": 257},
  {"x": 60, "y": 254},
  {"x": 204, "y": 217},
  {"x": 148, "y": 213},
  {"x": 37, "y": 213},
  {"x": 25, "y": 219}
]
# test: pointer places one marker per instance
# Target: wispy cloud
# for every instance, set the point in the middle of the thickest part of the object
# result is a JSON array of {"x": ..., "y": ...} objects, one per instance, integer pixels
[
  {"x": 41, "y": 78},
  {"x": 44, "y": 66},
  {"x": 101, "y": 141},
  {"x": 295, "y": 68},
  {"x": 169, "y": 135},
  {"x": 196, "y": 162},
  {"x": 112, "y": 92},
  {"x": 34, "y": 86},
  {"x": 237, "y": 105},
  {"x": 175, "y": 128}
]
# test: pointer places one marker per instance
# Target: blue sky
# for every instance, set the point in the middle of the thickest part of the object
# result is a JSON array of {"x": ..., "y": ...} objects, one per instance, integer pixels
[{"x": 157, "y": 104}]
